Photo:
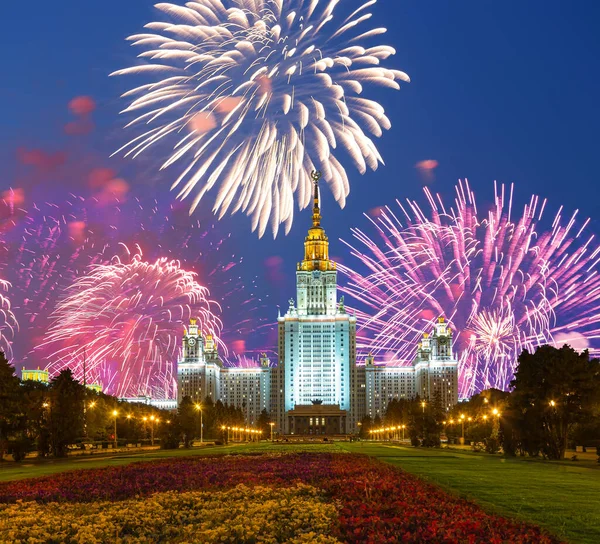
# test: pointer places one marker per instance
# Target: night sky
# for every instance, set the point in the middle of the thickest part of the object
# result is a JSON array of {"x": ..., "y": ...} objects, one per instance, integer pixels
[{"x": 503, "y": 91}]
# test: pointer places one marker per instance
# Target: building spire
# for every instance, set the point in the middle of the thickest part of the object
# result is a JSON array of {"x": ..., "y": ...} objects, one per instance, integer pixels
[
  {"x": 316, "y": 176},
  {"x": 316, "y": 245}
]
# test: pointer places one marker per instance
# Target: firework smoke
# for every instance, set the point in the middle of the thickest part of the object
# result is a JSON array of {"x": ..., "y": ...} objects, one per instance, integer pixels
[
  {"x": 254, "y": 95},
  {"x": 506, "y": 283}
]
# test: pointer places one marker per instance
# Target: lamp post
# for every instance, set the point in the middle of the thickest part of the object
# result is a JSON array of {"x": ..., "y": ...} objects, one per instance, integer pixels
[
  {"x": 423, "y": 406},
  {"x": 272, "y": 424},
  {"x": 496, "y": 429},
  {"x": 462, "y": 420},
  {"x": 403, "y": 427},
  {"x": 115, "y": 414},
  {"x": 199, "y": 408},
  {"x": 152, "y": 419}
]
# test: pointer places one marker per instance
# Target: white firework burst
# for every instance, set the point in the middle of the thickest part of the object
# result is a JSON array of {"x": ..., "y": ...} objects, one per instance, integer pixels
[{"x": 254, "y": 95}]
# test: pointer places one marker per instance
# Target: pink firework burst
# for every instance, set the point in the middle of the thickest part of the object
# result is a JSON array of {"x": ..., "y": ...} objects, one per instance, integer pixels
[
  {"x": 506, "y": 282},
  {"x": 8, "y": 321},
  {"x": 125, "y": 318}
]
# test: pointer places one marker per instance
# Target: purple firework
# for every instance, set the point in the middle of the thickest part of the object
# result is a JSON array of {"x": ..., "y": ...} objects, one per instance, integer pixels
[{"x": 506, "y": 282}]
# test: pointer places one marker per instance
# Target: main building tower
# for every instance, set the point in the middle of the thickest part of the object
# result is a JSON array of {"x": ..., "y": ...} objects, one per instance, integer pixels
[{"x": 317, "y": 344}]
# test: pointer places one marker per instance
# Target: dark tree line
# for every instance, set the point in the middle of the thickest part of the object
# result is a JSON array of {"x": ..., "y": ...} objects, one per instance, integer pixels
[
  {"x": 555, "y": 399},
  {"x": 554, "y": 402},
  {"x": 417, "y": 419},
  {"x": 51, "y": 418},
  {"x": 216, "y": 418}
]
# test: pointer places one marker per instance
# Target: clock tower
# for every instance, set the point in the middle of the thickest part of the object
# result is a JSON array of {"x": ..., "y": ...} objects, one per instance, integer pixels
[{"x": 198, "y": 370}]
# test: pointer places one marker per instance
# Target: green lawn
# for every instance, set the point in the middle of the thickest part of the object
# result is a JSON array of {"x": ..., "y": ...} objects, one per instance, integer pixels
[{"x": 562, "y": 497}]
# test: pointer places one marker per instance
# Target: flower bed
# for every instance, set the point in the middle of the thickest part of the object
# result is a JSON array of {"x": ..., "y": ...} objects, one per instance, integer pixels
[
  {"x": 296, "y": 514},
  {"x": 374, "y": 502}
]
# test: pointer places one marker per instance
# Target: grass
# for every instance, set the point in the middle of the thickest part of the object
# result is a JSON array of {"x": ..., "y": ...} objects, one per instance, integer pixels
[{"x": 562, "y": 497}]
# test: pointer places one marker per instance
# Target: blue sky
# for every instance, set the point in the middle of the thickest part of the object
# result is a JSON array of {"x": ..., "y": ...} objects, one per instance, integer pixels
[{"x": 503, "y": 91}]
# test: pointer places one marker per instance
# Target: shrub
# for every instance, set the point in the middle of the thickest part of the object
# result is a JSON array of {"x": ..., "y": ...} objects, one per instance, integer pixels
[
  {"x": 492, "y": 445},
  {"x": 19, "y": 449}
]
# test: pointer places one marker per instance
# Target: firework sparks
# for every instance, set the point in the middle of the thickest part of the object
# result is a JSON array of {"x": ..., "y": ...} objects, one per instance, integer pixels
[
  {"x": 505, "y": 283},
  {"x": 8, "y": 321},
  {"x": 47, "y": 246},
  {"x": 125, "y": 318},
  {"x": 255, "y": 94}
]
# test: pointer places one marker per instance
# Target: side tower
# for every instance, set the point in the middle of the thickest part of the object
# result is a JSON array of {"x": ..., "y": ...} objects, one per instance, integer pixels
[
  {"x": 436, "y": 367},
  {"x": 199, "y": 369}
]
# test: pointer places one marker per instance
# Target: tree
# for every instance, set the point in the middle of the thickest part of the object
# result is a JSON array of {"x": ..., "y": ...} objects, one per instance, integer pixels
[
  {"x": 187, "y": 416},
  {"x": 170, "y": 433},
  {"x": 34, "y": 396},
  {"x": 434, "y": 415},
  {"x": 11, "y": 415},
  {"x": 66, "y": 412},
  {"x": 209, "y": 419},
  {"x": 262, "y": 424},
  {"x": 366, "y": 424},
  {"x": 553, "y": 390}
]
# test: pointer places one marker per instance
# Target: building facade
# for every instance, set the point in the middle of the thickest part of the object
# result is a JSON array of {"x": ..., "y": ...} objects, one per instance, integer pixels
[
  {"x": 317, "y": 337},
  {"x": 317, "y": 387},
  {"x": 201, "y": 375},
  {"x": 434, "y": 371}
]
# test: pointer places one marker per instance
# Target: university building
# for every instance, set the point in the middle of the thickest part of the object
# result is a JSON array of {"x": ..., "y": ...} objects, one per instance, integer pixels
[{"x": 316, "y": 387}]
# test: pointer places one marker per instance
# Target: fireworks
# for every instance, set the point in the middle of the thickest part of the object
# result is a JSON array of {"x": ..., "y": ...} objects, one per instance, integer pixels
[
  {"x": 51, "y": 244},
  {"x": 254, "y": 95},
  {"x": 504, "y": 282},
  {"x": 125, "y": 319},
  {"x": 8, "y": 321}
]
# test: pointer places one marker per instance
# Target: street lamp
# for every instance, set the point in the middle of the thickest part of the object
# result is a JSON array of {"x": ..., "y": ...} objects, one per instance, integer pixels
[
  {"x": 462, "y": 420},
  {"x": 152, "y": 419},
  {"x": 199, "y": 408},
  {"x": 423, "y": 406},
  {"x": 115, "y": 414},
  {"x": 272, "y": 424},
  {"x": 552, "y": 403}
]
